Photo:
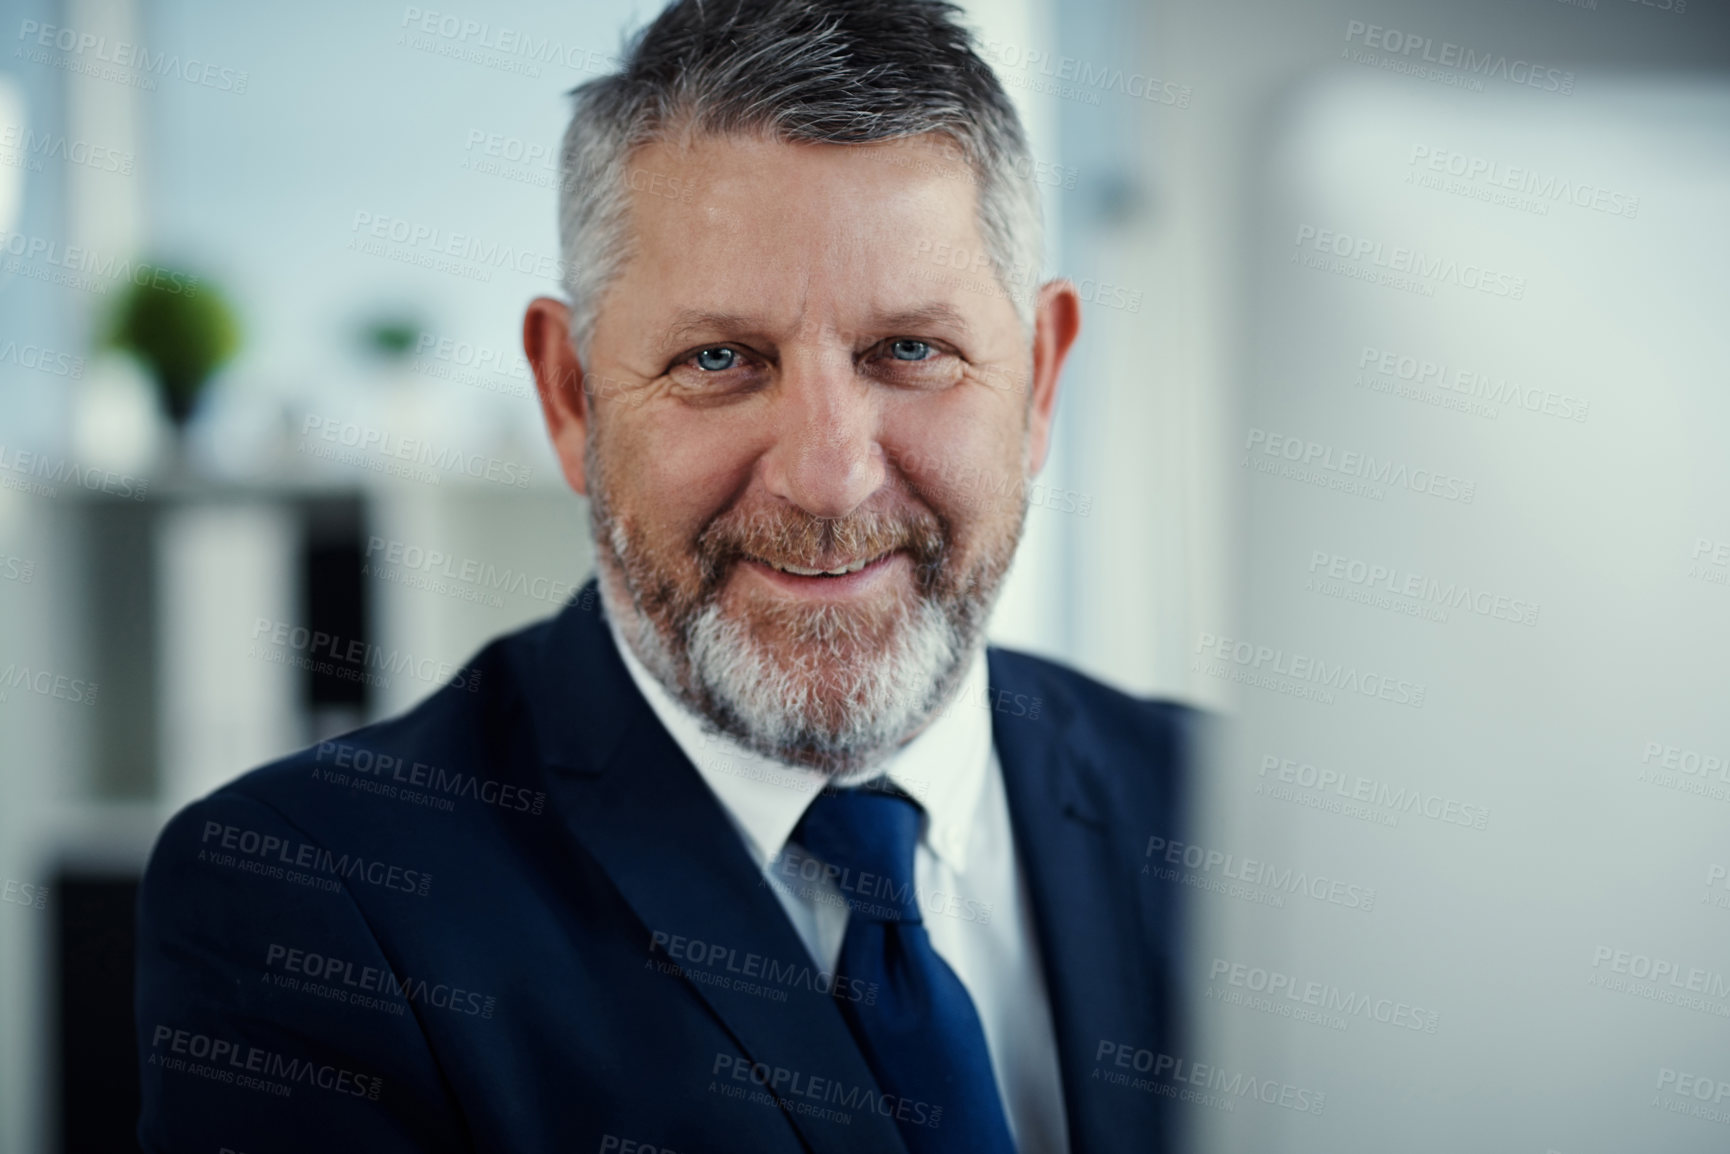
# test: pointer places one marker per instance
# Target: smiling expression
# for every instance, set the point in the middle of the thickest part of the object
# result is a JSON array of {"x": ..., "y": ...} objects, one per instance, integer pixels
[{"x": 807, "y": 466}]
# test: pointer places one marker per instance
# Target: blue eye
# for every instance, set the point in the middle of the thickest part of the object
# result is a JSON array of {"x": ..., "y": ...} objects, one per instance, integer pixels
[
  {"x": 716, "y": 360},
  {"x": 909, "y": 350}
]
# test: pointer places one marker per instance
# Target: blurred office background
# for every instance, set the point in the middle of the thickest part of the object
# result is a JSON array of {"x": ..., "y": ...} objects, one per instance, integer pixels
[{"x": 1396, "y": 436}]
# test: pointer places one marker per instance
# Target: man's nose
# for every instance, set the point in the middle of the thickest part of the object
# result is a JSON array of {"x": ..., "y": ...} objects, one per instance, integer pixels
[{"x": 826, "y": 458}]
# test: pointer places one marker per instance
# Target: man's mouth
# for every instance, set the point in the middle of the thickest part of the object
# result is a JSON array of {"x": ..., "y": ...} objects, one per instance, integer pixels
[
  {"x": 837, "y": 571},
  {"x": 838, "y": 578}
]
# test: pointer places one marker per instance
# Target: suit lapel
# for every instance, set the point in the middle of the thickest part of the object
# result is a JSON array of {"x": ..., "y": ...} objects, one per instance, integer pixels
[
  {"x": 642, "y": 811},
  {"x": 1087, "y": 911}
]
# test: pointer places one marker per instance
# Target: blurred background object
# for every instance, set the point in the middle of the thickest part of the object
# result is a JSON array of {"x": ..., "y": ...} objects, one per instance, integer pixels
[
  {"x": 181, "y": 331},
  {"x": 1395, "y": 434}
]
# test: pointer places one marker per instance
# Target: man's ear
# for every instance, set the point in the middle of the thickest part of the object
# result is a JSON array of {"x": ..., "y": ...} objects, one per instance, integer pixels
[
  {"x": 1056, "y": 324},
  {"x": 559, "y": 381}
]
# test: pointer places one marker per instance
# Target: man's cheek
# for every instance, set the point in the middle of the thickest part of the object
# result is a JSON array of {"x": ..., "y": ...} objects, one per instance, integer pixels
[
  {"x": 978, "y": 486},
  {"x": 663, "y": 488}
]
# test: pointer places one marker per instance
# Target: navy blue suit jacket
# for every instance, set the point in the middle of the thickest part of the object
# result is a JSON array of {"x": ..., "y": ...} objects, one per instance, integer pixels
[{"x": 516, "y": 919}]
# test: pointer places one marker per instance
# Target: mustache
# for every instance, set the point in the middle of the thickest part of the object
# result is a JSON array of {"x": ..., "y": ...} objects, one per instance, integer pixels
[{"x": 791, "y": 536}]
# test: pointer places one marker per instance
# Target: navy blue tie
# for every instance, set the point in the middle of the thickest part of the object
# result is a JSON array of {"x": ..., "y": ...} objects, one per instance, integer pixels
[{"x": 921, "y": 1036}]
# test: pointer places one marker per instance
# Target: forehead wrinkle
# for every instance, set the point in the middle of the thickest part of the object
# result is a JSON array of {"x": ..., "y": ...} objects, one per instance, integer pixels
[
  {"x": 841, "y": 295},
  {"x": 687, "y": 322},
  {"x": 939, "y": 313}
]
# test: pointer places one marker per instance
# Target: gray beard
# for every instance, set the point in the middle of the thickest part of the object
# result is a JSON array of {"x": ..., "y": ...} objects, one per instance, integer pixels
[
  {"x": 717, "y": 669},
  {"x": 724, "y": 675},
  {"x": 775, "y": 710}
]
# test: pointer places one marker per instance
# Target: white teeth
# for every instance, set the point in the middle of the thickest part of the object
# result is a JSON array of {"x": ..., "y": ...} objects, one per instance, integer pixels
[{"x": 801, "y": 571}]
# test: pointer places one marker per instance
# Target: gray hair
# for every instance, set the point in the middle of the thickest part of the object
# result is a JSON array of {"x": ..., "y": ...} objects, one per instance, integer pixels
[{"x": 817, "y": 71}]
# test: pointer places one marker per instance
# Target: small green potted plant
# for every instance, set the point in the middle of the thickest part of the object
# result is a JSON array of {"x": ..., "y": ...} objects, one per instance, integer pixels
[{"x": 180, "y": 328}]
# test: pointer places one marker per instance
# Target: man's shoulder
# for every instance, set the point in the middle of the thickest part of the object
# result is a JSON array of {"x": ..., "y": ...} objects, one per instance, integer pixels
[
  {"x": 450, "y": 749},
  {"x": 1122, "y": 760},
  {"x": 1094, "y": 710}
]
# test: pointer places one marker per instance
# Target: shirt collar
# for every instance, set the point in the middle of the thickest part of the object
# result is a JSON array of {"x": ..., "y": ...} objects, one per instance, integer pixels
[{"x": 943, "y": 767}]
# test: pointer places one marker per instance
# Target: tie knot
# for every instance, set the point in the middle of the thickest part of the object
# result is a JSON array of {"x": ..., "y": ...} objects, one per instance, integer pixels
[{"x": 865, "y": 838}]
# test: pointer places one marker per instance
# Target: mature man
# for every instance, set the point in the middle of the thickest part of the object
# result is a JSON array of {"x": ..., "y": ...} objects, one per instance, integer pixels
[{"x": 755, "y": 846}]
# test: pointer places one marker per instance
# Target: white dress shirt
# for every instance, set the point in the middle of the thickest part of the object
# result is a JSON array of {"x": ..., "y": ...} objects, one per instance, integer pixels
[{"x": 975, "y": 901}]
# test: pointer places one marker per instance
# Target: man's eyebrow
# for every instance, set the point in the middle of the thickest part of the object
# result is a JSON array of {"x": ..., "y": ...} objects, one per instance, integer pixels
[
  {"x": 912, "y": 320},
  {"x": 687, "y": 322}
]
